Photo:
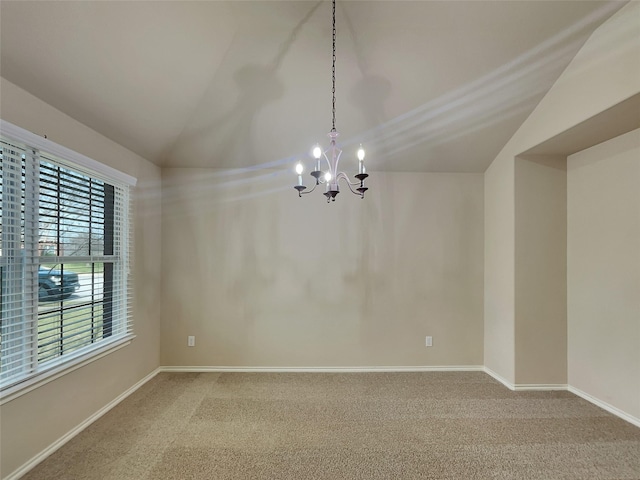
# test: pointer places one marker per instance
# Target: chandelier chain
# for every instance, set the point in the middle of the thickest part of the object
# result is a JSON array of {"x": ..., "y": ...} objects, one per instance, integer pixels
[{"x": 333, "y": 69}]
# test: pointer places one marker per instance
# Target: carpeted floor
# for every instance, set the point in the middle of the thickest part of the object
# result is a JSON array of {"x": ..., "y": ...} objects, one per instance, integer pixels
[{"x": 441, "y": 425}]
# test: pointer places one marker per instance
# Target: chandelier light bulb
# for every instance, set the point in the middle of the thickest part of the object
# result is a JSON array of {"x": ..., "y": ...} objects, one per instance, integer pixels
[
  {"x": 299, "y": 168},
  {"x": 317, "y": 152},
  {"x": 361, "y": 153},
  {"x": 327, "y": 176}
]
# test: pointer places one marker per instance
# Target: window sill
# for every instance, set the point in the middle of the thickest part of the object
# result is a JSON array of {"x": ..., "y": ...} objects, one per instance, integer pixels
[{"x": 40, "y": 379}]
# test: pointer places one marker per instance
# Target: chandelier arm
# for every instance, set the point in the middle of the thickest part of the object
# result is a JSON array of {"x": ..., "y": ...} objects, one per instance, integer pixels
[
  {"x": 332, "y": 156},
  {"x": 347, "y": 179},
  {"x": 309, "y": 191},
  {"x": 326, "y": 157},
  {"x": 360, "y": 191},
  {"x": 353, "y": 183},
  {"x": 352, "y": 190}
]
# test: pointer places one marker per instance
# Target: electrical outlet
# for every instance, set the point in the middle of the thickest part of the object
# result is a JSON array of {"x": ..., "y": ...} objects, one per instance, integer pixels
[
  {"x": 429, "y": 341},
  {"x": 191, "y": 341}
]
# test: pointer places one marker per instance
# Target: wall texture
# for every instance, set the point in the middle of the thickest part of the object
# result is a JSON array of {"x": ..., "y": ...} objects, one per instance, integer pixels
[
  {"x": 499, "y": 258},
  {"x": 541, "y": 271},
  {"x": 602, "y": 74},
  {"x": 265, "y": 279},
  {"x": 33, "y": 421},
  {"x": 604, "y": 271}
]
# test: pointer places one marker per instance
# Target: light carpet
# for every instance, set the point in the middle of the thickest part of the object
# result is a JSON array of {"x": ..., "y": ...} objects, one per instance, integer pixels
[{"x": 434, "y": 425}]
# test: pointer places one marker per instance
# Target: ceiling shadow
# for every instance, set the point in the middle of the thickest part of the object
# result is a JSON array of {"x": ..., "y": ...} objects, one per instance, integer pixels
[{"x": 259, "y": 85}]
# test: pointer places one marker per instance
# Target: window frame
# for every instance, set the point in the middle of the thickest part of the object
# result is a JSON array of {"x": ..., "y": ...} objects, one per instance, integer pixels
[{"x": 95, "y": 351}]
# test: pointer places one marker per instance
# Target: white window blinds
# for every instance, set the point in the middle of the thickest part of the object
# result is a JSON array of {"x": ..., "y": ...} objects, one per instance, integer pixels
[{"x": 65, "y": 261}]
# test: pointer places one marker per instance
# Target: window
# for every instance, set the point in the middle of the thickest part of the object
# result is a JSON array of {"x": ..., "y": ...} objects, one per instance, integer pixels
[{"x": 65, "y": 261}]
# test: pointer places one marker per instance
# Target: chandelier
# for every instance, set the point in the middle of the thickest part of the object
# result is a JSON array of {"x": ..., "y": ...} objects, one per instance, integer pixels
[{"x": 332, "y": 176}]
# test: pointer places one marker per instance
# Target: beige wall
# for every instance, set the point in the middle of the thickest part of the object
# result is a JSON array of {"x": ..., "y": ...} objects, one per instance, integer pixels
[
  {"x": 541, "y": 271},
  {"x": 263, "y": 278},
  {"x": 499, "y": 257},
  {"x": 602, "y": 74},
  {"x": 32, "y": 422},
  {"x": 604, "y": 272}
]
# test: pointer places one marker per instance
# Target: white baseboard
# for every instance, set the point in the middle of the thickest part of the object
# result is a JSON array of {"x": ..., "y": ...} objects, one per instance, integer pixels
[
  {"x": 499, "y": 378},
  {"x": 544, "y": 387},
  {"x": 522, "y": 387},
  {"x": 218, "y": 369},
  {"x": 599, "y": 403},
  {"x": 605, "y": 406},
  {"x": 75, "y": 431}
]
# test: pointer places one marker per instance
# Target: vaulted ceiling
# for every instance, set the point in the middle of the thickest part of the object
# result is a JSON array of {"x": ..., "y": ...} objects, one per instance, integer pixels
[{"x": 425, "y": 85}]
